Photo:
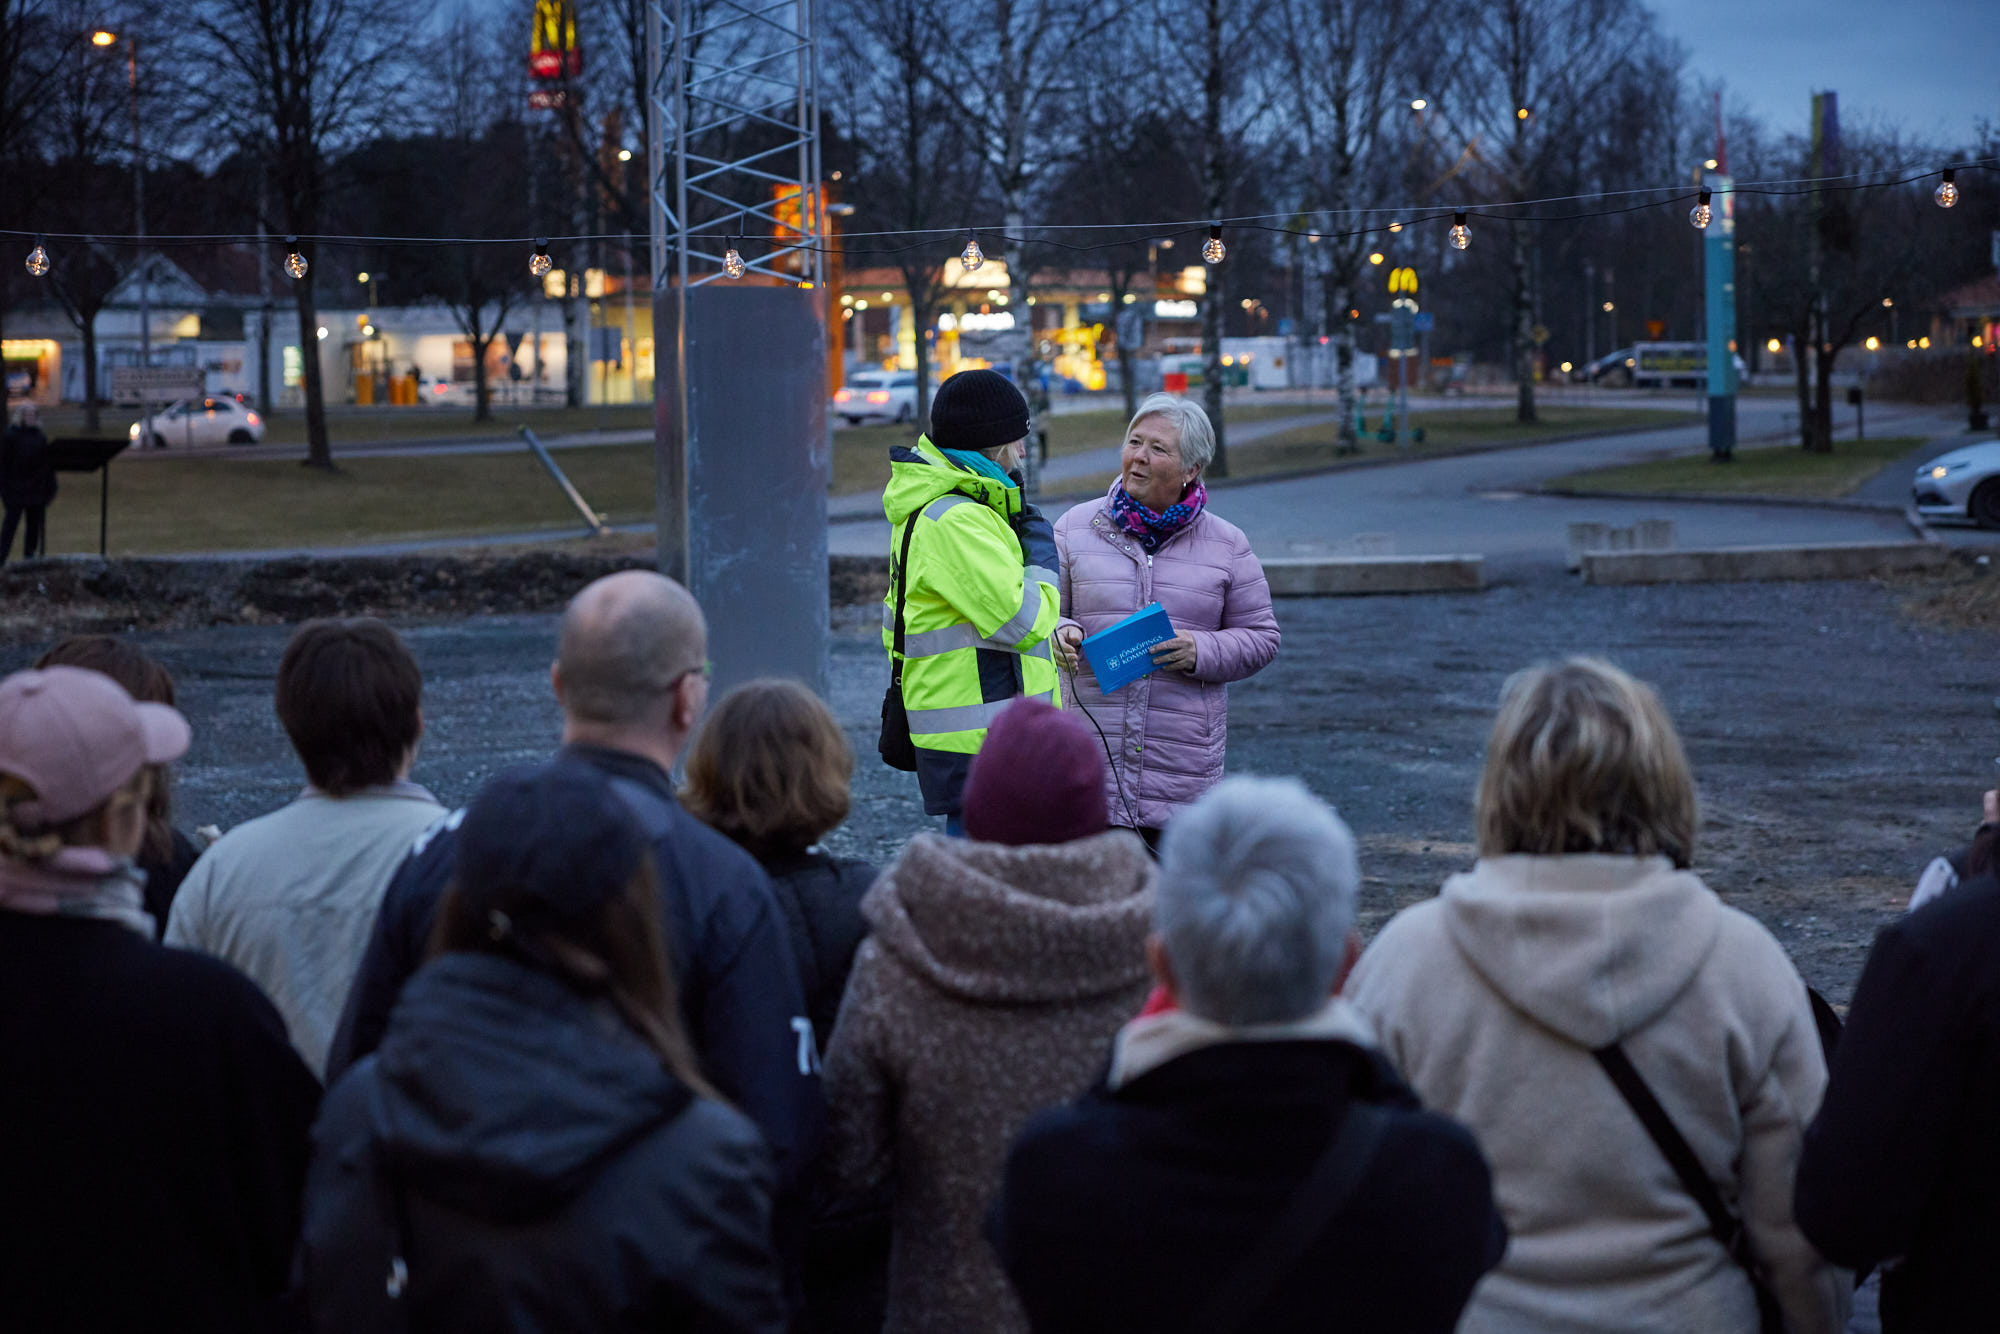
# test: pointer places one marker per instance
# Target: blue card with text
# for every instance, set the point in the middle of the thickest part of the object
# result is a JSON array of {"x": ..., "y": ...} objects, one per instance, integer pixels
[{"x": 1120, "y": 654}]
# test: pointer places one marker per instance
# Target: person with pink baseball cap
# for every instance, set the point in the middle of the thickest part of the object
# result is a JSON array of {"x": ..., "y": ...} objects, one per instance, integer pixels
[{"x": 155, "y": 1110}]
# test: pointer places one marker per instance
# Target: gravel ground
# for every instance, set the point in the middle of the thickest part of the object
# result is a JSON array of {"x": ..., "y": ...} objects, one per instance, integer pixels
[{"x": 1815, "y": 715}]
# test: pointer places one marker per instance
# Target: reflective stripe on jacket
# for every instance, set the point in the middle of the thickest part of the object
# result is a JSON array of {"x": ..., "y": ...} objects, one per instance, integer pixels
[{"x": 976, "y": 617}]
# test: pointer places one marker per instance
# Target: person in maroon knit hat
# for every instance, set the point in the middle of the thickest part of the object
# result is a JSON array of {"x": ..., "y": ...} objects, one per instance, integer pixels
[
  {"x": 997, "y": 969},
  {"x": 1038, "y": 779}
]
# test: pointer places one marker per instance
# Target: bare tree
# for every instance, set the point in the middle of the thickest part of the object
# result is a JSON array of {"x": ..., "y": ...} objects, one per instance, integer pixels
[
  {"x": 918, "y": 167},
  {"x": 1344, "y": 63},
  {"x": 1531, "y": 71},
  {"x": 311, "y": 76}
]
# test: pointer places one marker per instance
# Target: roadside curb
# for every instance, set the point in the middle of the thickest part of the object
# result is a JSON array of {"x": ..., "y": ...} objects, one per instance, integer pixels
[{"x": 1724, "y": 498}]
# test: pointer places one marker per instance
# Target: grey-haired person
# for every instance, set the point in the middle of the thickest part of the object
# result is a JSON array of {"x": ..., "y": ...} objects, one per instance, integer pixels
[{"x": 1240, "y": 1098}]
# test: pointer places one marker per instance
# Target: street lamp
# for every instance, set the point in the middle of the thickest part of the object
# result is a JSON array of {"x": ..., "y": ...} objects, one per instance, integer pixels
[{"x": 103, "y": 39}]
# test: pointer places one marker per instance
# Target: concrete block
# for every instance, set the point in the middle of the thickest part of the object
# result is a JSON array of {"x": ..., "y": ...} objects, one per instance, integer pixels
[
  {"x": 1339, "y": 576},
  {"x": 1833, "y": 560}
]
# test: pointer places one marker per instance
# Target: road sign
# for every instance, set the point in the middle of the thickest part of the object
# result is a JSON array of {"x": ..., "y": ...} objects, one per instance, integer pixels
[
  {"x": 155, "y": 382},
  {"x": 1402, "y": 329},
  {"x": 1426, "y": 321},
  {"x": 1403, "y": 280},
  {"x": 1383, "y": 317},
  {"x": 1540, "y": 333}
]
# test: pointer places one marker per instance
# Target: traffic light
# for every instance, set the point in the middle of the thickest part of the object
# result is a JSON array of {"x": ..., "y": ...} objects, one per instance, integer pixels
[{"x": 1403, "y": 280}]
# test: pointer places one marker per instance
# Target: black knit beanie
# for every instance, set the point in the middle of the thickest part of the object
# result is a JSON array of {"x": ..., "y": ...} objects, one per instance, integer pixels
[{"x": 977, "y": 410}]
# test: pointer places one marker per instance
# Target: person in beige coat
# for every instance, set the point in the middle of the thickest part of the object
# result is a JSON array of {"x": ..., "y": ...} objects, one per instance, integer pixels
[
  {"x": 1581, "y": 926},
  {"x": 997, "y": 970}
]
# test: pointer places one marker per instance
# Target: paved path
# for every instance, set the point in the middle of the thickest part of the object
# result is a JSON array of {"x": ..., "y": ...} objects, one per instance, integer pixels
[{"x": 1482, "y": 504}]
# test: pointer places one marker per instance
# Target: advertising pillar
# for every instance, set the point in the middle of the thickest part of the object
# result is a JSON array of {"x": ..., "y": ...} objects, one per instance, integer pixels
[{"x": 1719, "y": 281}]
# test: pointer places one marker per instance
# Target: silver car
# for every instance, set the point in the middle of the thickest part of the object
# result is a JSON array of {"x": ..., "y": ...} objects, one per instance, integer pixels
[{"x": 1964, "y": 484}]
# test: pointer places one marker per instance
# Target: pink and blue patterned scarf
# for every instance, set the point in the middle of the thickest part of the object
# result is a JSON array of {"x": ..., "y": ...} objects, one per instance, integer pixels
[{"x": 1154, "y": 527}]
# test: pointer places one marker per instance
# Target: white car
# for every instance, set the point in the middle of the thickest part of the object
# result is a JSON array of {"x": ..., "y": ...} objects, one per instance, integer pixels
[
  {"x": 877, "y": 396},
  {"x": 203, "y": 421},
  {"x": 1964, "y": 484}
]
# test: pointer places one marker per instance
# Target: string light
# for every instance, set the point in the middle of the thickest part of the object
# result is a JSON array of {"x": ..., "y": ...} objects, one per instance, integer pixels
[
  {"x": 1701, "y": 214},
  {"x": 295, "y": 262},
  {"x": 1947, "y": 192},
  {"x": 1461, "y": 235},
  {"x": 38, "y": 260},
  {"x": 972, "y": 256},
  {"x": 1213, "y": 250},
  {"x": 539, "y": 263},
  {"x": 732, "y": 260}
]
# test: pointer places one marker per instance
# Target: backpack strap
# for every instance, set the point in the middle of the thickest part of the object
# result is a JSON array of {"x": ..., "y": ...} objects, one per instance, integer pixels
[
  {"x": 902, "y": 588},
  {"x": 1323, "y": 1194},
  {"x": 1726, "y": 1226}
]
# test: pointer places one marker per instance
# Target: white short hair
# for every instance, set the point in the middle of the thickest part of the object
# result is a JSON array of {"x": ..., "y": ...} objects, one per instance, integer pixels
[
  {"x": 1196, "y": 434},
  {"x": 1256, "y": 898}
]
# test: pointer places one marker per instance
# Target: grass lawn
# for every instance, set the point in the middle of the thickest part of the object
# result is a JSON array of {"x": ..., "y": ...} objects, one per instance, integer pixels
[
  {"x": 1779, "y": 470},
  {"x": 1449, "y": 431},
  {"x": 350, "y": 425}
]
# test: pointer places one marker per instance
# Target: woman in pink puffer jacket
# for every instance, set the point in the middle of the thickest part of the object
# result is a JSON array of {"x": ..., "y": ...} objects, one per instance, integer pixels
[{"x": 1152, "y": 539}]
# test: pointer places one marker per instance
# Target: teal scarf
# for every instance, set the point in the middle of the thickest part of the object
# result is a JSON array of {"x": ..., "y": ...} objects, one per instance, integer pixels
[{"x": 978, "y": 463}]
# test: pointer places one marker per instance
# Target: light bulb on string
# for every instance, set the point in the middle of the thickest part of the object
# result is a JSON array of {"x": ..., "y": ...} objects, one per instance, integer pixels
[
  {"x": 38, "y": 260},
  {"x": 1947, "y": 192},
  {"x": 296, "y": 263},
  {"x": 972, "y": 256},
  {"x": 1212, "y": 249},
  {"x": 1461, "y": 235},
  {"x": 732, "y": 260},
  {"x": 539, "y": 263},
  {"x": 1701, "y": 214}
]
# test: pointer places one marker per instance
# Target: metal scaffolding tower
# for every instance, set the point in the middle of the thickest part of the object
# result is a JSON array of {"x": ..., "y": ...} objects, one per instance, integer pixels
[{"x": 740, "y": 437}]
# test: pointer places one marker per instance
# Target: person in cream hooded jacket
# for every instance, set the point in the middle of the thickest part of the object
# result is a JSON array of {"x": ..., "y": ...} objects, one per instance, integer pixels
[{"x": 1581, "y": 926}]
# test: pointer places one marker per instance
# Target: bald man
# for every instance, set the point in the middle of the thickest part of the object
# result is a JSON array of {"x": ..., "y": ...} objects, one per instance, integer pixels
[{"x": 631, "y": 675}]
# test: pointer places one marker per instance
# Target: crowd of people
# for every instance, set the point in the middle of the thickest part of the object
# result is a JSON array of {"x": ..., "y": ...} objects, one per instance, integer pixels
[{"x": 604, "y": 1050}]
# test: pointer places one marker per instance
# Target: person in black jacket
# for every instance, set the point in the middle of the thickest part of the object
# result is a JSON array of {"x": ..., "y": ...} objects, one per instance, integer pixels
[
  {"x": 27, "y": 484},
  {"x": 167, "y": 854},
  {"x": 532, "y": 1146},
  {"x": 770, "y": 769},
  {"x": 153, "y": 1111},
  {"x": 1150, "y": 1203},
  {"x": 632, "y": 680},
  {"x": 1902, "y": 1162}
]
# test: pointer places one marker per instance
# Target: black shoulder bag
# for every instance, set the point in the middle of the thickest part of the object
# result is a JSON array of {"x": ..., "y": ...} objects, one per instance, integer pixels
[
  {"x": 898, "y": 751},
  {"x": 1727, "y": 1227},
  {"x": 1325, "y": 1191}
]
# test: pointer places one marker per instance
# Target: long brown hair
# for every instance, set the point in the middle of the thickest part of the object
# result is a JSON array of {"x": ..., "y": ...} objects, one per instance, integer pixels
[{"x": 616, "y": 951}]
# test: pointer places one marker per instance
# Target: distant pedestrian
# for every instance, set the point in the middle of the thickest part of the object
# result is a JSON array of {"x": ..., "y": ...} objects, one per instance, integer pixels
[
  {"x": 27, "y": 484},
  {"x": 1154, "y": 539},
  {"x": 998, "y": 968},
  {"x": 290, "y": 897},
  {"x": 1581, "y": 948},
  {"x": 167, "y": 854},
  {"x": 532, "y": 1147},
  {"x": 1902, "y": 1165},
  {"x": 153, "y": 1113},
  {"x": 1248, "y": 1161},
  {"x": 973, "y": 579}
]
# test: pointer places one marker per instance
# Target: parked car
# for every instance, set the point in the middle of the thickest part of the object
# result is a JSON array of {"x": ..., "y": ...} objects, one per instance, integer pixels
[
  {"x": 1964, "y": 484},
  {"x": 878, "y": 396},
  {"x": 440, "y": 392},
  {"x": 204, "y": 421}
]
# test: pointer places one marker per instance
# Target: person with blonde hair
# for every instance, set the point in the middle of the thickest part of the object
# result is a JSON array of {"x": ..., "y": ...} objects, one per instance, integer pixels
[{"x": 1579, "y": 968}]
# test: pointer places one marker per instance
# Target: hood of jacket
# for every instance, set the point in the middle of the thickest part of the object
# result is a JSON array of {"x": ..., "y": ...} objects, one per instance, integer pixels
[
  {"x": 502, "y": 1092},
  {"x": 1594, "y": 947},
  {"x": 920, "y": 473},
  {"x": 1038, "y": 924}
]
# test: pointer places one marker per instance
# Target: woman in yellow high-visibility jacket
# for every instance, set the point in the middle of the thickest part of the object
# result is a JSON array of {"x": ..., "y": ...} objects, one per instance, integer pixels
[{"x": 981, "y": 587}]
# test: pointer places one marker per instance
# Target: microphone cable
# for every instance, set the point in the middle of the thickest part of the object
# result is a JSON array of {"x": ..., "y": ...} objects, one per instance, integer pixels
[{"x": 1110, "y": 760}]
